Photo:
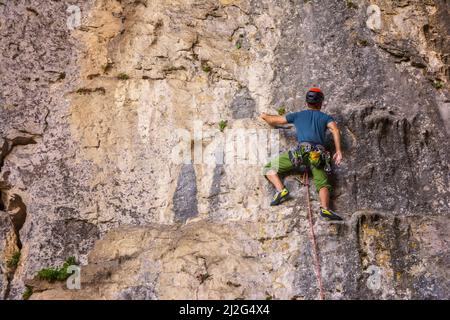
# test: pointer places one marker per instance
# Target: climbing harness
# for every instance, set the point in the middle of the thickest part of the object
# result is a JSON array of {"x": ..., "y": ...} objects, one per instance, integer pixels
[
  {"x": 313, "y": 155},
  {"x": 313, "y": 238}
]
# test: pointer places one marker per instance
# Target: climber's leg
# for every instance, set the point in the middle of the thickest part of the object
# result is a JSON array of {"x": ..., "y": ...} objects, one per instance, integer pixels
[
  {"x": 324, "y": 188},
  {"x": 324, "y": 195},
  {"x": 274, "y": 178},
  {"x": 281, "y": 165},
  {"x": 320, "y": 179}
]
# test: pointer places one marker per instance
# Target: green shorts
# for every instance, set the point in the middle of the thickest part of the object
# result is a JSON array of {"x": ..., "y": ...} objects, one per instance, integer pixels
[{"x": 283, "y": 166}]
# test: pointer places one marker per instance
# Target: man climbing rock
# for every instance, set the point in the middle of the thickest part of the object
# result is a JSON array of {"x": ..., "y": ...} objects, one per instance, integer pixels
[{"x": 311, "y": 125}]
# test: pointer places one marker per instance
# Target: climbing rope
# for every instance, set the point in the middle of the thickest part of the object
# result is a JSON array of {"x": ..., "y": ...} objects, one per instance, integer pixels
[{"x": 313, "y": 238}]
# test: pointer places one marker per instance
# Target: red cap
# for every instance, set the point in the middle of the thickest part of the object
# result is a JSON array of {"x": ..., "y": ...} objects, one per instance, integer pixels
[{"x": 315, "y": 90}]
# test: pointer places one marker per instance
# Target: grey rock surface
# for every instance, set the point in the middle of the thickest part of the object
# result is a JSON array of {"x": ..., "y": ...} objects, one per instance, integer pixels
[
  {"x": 184, "y": 198},
  {"x": 243, "y": 105}
]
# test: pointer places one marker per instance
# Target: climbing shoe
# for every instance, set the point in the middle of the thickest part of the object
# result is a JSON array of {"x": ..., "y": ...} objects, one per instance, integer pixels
[
  {"x": 280, "y": 197},
  {"x": 329, "y": 215}
]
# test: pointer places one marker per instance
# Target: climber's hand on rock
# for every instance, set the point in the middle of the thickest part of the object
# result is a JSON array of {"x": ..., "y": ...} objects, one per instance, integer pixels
[
  {"x": 337, "y": 158},
  {"x": 263, "y": 116}
]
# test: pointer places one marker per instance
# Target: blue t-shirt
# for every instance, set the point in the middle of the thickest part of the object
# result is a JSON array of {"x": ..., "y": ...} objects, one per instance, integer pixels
[{"x": 311, "y": 125}]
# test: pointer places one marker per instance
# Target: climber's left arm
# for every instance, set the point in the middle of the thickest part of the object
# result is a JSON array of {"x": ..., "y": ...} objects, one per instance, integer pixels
[{"x": 337, "y": 141}]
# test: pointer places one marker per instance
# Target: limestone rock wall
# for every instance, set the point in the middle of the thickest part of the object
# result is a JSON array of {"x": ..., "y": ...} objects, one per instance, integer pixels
[{"x": 91, "y": 117}]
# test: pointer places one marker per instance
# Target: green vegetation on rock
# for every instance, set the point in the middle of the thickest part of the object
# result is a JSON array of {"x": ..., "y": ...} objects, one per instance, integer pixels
[
  {"x": 438, "y": 84},
  {"x": 28, "y": 292},
  {"x": 222, "y": 125},
  {"x": 281, "y": 111},
  {"x": 14, "y": 260},
  {"x": 57, "y": 274},
  {"x": 123, "y": 76}
]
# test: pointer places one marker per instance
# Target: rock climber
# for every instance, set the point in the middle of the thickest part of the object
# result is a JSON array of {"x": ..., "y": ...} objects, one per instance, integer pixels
[{"x": 311, "y": 126}]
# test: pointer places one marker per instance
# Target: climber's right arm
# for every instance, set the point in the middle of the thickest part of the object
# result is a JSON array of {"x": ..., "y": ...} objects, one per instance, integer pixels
[
  {"x": 337, "y": 141},
  {"x": 273, "y": 120}
]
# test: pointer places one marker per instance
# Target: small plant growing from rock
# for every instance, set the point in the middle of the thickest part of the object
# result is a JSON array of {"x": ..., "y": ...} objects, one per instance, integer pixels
[
  {"x": 362, "y": 42},
  {"x": 438, "y": 84},
  {"x": 205, "y": 67},
  {"x": 238, "y": 44},
  {"x": 27, "y": 293},
  {"x": 351, "y": 4},
  {"x": 222, "y": 125},
  {"x": 281, "y": 111},
  {"x": 14, "y": 261},
  {"x": 57, "y": 274},
  {"x": 123, "y": 76}
]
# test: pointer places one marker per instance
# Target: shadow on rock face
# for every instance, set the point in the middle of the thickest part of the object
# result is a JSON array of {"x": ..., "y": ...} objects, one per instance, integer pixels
[
  {"x": 243, "y": 105},
  {"x": 185, "y": 197}
]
